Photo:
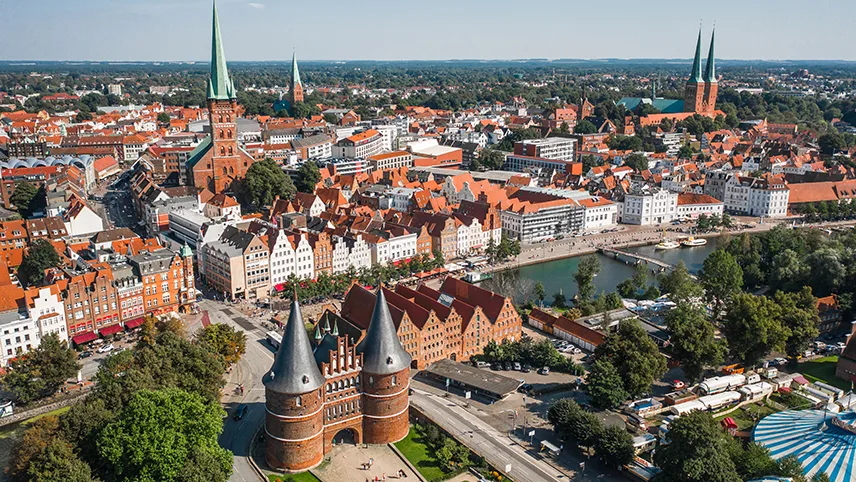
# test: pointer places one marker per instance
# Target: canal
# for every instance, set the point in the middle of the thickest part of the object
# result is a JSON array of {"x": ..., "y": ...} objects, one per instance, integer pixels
[{"x": 559, "y": 274}]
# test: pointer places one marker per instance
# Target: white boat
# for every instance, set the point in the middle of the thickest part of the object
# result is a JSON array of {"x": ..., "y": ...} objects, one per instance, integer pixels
[
  {"x": 692, "y": 242},
  {"x": 667, "y": 245}
]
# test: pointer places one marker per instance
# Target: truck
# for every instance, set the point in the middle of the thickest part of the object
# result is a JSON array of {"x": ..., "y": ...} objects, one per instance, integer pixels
[
  {"x": 732, "y": 369},
  {"x": 274, "y": 339}
]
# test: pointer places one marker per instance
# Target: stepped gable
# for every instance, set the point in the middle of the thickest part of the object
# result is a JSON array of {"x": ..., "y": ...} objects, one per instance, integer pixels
[
  {"x": 382, "y": 351},
  {"x": 294, "y": 370}
]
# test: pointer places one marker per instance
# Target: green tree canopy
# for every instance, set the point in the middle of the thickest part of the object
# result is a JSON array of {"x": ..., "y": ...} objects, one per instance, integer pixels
[
  {"x": 224, "y": 340},
  {"x": 588, "y": 267},
  {"x": 605, "y": 386},
  {"x": 614, "y": 446},
  {"x": 585, "y": 127},
  {"x": 692, "y": 340},
  {"x": 636, "y": 161},
  {"x": 698, "y": 451},
  {"x": 265, "y": 181},
  {"x": 753, "y": 327},
  {"x": 157, "y": 434},
  {"x": 635, "y": 355},
  {"x": 679, "y": 284},
  {"x": 799, "y": 317},
  {"x": 308, "y": 176},
  {"x": 23, "y": 197},
  {"x": 40, "y": 256},
  {"x": 721, "y": 278},
  {"x": 42, "y": 371}
]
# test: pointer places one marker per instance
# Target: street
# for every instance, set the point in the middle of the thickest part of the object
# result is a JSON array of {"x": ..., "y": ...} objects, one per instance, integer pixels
[{"x": 114, "y": 204}]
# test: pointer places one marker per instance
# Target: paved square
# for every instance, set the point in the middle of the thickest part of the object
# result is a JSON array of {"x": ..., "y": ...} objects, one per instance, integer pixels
[{"x": 346, "y": 464}]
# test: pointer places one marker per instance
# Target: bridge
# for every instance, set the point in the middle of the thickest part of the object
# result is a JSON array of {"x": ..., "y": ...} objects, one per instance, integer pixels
[{"x": 659, "y": 263}]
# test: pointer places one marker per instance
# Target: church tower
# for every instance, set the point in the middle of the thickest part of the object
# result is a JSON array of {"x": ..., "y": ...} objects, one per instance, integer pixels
[
  {"x": 695, "y": 89},
  {"x": 711, "y": 85},
  {"x": 296, "y": 85},
  {"x": 222, "y": 114}
]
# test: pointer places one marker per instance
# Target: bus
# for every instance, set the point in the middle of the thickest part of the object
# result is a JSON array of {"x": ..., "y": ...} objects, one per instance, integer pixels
[{"x": 274, "y": 339}]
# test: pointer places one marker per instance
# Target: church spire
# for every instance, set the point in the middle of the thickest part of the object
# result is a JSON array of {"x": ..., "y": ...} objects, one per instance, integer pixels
[
  {"x": 295, "y": 72},
  {"x": 695, "y": 75},
  {"x": 220, "y": 84},
  {"x": 710, "y": 68}
]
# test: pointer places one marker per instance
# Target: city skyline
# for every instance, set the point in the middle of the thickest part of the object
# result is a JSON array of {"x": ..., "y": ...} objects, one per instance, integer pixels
[{"x": 177, "y": 30}]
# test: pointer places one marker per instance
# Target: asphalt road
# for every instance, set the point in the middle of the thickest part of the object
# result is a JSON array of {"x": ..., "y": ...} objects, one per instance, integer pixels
[{"x": 114, "y": 204}]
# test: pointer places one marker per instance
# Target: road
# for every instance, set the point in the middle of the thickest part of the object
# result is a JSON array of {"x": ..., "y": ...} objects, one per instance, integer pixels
[
  {"x": 496, "y": 446},
  {"x": 237, "y": 435},
  {"x": 114, "y": 204}
]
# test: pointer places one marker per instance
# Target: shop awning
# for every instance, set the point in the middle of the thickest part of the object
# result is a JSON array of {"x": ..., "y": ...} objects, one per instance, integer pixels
[
  {"x": 110, "y": 330},
  {"x": 84, "y": 338},
  {"x": 129, "y": 325},
  {"x": 279, "y": 288}
]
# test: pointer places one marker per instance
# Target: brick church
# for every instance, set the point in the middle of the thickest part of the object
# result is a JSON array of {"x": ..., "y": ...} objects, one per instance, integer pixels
[
  {"x": 219, "y": 160},
  {"x": 355, "y": 392}
]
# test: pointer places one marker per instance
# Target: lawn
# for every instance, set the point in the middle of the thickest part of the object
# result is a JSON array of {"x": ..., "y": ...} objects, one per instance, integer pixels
[
  {"x": 743, "y": 415},
  {"x": 823, "y": 370},
  {"x": 301, "y": 477},
  {"x": 414, "y": 449}
]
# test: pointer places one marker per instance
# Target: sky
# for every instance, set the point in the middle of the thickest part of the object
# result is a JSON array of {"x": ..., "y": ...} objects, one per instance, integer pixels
[{"x": 180, "y": 30}]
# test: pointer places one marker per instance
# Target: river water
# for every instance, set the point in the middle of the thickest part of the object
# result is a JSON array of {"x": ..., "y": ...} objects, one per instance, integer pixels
[{"x": 559, "y": 274}]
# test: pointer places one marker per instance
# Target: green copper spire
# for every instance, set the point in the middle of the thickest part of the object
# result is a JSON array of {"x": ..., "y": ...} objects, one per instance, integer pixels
[
  {"x": 295, "y": 72},
  {"x": 695, "y": 75},
  {"x": 336, "y": 328},
  {"x": 710, "y": 68},
  {"x": 219, "y": 85},
  {"x": 318, "y": 332}
]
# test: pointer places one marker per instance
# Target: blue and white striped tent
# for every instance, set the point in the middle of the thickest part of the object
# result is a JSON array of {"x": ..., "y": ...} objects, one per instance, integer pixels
[{"x": 822, "y": 441}]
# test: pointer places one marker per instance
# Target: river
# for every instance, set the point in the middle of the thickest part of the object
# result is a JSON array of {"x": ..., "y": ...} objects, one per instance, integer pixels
[{"x": 559, "y": 274}]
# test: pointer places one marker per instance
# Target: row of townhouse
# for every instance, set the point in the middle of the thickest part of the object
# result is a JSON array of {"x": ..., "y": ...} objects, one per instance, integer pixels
[
  {"x": 766, "y": 196},
  {"x": 96, "y": 298},
  {"x": 455, "y": 322}
]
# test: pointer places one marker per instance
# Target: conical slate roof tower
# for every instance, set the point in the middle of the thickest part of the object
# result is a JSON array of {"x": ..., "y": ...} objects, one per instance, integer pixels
[
  {"x": 382, "y": 351},
  {"x": 294, "y": 370}
]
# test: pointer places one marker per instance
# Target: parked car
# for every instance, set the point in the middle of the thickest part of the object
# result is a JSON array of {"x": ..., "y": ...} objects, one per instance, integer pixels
[
  {"x": 544, "y": 371},
  {"x": 507, "y": 366},
  {"x": 525, "y": 368},
  {"x": 517, "y": 366},
  {"x": 85, "y": 354},
  {"x": 524, "y": 388},
  {"x": 240, "y": 411},
  {"x": 780, "y": 361},
  {"x": 677, "y": 384},
  {"x": 481, "y": 364},
  {"x": 575, "y": 350},
  {"x": 496, "y": 366},
  {"x": 106, "y": 348}
]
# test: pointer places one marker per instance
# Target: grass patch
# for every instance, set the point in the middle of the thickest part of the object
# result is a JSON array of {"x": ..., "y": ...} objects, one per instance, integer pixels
[
  {"x": 748, "y": 415},
  {"x": 823, "y": 370},
  {"x": 414, "y": 449},
  {"x": 301, "y": 477}
]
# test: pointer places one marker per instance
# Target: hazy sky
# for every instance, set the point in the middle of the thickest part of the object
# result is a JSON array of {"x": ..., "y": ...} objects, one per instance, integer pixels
[{"x": 441, "y": 29}]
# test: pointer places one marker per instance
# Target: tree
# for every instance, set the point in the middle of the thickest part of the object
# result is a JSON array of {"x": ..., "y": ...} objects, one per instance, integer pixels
[
  {"x": 831, "y": 142},
  {"x": 301, "y": 110},
  {"x": 698, "y": 451},
  {"x": 158, "y": 432},
  {"x": 564, "y": 128},
  {"x": 24, "y": 194},
  {"x": 58, "y": 461},
  {"x": 614, "y": 446},
  {"x": 559, "y": 300},
  {"x": 799, "y": 317},
  {"x": 585, "y": 127},
  {"x": 42, "y": 371},
  {"x": 726, "y": 221},
  {"x": 721, "y": 278},
  {"x": 638, "y": 162},
  {"x": 36, "y": 439},
  {"x": 679, "y": 284},
  {"x": 604, "y": 386},
  {"x": 752, "y": 461},
  {"x": 634, "y": 354},
  {"x": 308, "y": 176},
  {"x": 540, "y": 293},
  {"x": 704, "y": 223},
  {"x": 39, "y": 257},
  {"x": 439, "y": 260},
  {"x": 163, "y": 118},
  {"x": 753, "y": 327},
  {"x": 686, "y": 152},
  {"x": 265, "y": 181},
  {"x": 225, "y": 340},
  {"x": 491, "y": 158},
  {"x": 588, "y": 267},
  {"x": 693, "y": 341},
  {"x": 83, "y": 116}
]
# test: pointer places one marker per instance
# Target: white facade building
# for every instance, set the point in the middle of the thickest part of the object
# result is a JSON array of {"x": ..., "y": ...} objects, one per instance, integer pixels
[
  {"x": 599, "y": 213},
  {"x": 650, "y": 206},
  {"x": 694, "y": 205}
]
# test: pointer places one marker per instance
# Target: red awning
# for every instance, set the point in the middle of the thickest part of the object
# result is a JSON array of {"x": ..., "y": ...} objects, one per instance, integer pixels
[
  {"x": 84, "y": 338},
  {"x": 110, "y": 330},
  {"x": 279, "y": 288},
  {"x": 134, "y": 323}
]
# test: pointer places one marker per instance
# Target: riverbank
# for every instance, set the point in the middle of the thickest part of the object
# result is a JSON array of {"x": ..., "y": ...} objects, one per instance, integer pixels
[{"x": 629, "y": 237}]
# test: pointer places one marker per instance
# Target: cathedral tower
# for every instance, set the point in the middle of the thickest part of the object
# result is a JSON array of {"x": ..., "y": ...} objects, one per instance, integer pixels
[
  {"x": 711, "y": 85},
  {"x": 695, "y": 88},
  {"x": 296, "y": 85}
]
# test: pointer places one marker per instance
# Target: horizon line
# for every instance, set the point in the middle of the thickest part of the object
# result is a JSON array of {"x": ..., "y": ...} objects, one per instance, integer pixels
[{"x": 518, "y": 59}]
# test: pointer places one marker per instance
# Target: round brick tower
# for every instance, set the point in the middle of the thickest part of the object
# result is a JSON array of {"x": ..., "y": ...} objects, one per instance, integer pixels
[
  {"x": 294, "y": 422},
  {"x": 385, "y": 379}
]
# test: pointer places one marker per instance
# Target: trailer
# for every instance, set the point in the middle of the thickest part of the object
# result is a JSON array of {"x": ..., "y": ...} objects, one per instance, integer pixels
[
  {"x": 714, "y": 385},
  {"x": 719, "y": 400},
  {"x": 835, "y": 391},
  {"x": 687, "y": 407},
  {"x": 755, "y": 391}
]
